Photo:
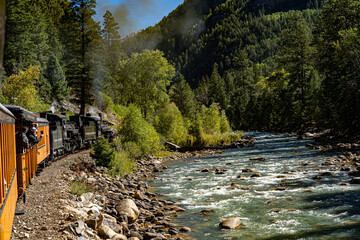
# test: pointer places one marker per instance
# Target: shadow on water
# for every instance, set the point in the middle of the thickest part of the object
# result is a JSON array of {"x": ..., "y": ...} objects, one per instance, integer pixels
[
  {"x": 348, "y": 201},
  {"x": 323, "y": 230}
]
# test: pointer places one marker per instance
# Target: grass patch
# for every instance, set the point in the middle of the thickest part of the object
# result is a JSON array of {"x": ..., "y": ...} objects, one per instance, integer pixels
[
  {"x": 163, "y": 154},
  {"x": 78, "y": 187}
]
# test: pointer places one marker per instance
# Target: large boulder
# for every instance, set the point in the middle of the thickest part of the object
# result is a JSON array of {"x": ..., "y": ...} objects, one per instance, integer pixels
[
  {"x": 108, "y": 233},
  {"x": 95, "y": 221},
  {"x": 230, "y": 223},
  {"x": 128, "y": 207},
  {"x": 111, "y": 222}
]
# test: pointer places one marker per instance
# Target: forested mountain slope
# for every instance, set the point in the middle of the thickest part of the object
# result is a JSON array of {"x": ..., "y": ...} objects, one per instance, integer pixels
[
  {"x": 208, "y": 32},
  {"x": 268, "y": 64}
]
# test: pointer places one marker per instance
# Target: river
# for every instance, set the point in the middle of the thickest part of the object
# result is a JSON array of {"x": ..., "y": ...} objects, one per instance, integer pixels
[{"x": 310, "y": 203}]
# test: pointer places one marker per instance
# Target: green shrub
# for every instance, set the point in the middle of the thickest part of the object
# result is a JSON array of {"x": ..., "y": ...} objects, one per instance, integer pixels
[
  {"x": 78, "y": 187},
  {"x": 211, "y": 119},
  {"x": 210, "y": 128},
  {"x": 39, "y": 105},
  {"x": 133, "y": 149},
  {"x": 224, "y": 123},
  {"x": 136, "y": 129},
  {"x": 119, "y": 110},
  {"x": 170, "y": 124},
  {"x": 196, "y": 131},
  {"x": 102, "y": 152},
  {"x": 121, "y": 165}
]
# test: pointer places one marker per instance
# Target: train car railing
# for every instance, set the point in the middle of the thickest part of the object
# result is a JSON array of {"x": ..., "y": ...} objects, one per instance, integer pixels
[{"x": 28, "y": 166}]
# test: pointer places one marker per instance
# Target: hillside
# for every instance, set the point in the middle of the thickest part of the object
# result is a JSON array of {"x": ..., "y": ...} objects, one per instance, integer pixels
[{"x": 202, "y": 33}]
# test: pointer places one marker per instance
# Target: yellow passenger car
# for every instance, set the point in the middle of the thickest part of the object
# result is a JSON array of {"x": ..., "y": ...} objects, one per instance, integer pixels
[
  {"x": 43, "y": 147},
  {"x": 8, "y": 173}
]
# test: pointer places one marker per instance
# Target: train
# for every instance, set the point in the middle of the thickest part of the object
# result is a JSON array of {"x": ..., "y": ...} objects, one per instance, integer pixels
[{"x": 18, "y": 164}]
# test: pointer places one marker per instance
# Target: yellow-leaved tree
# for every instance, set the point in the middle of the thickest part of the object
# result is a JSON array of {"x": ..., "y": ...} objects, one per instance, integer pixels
[{"x": 19, "y": 89}]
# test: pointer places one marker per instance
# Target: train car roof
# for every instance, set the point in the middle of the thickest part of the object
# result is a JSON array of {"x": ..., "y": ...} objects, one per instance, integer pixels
[
  {"x": 109, "y": 122},
  {"x": 6, "y": 111},
  {"x": 96, "y": 118},
  {"x": 22, "y": 113},
  {"x": 54, "y": 114},
  {"x": 41, "y": 120}
]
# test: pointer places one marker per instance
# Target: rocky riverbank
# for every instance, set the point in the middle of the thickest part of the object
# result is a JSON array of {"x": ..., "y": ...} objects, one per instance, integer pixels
[
  {"x": 111, "y": 208},
  {"x": 346, "y": 149}
]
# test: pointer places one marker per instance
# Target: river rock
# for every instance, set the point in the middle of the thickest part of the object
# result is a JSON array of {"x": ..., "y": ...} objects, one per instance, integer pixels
[
  {"x": 247, "y": 170},
  {"x": 95, "y": 220},
  {"x": 128, "y": 207},
  {"x": 87, "y": 197},
  {"x": 220, "y": 171},
  {"x": 317, "y": 178},
  {"x": 111, "y": 222},
  {"x": 354, "y": 173},
  {"x": 78, "y": 228},
  {"x": 355, "y": 180},
  {"x": 185, "y": 229},
  {"x": 150, "y": 235},
  {"x": 139, "y": 195},
  {"x": 207, "y": 212},
  {"x": 256, "y": 175},
  {"x": 240, "y": 176},
  {"x": 231, "y": 223},
  {"x": 134, "y": 234},
  {"x": 258, "y": 159},
  {"x": 344, "y": 184},
  {"x": 178, "y": 209},
  {"x": 108, "y": 233},
  {"x": 278, "y": 189},
  {"x": 326, "y": 174}
]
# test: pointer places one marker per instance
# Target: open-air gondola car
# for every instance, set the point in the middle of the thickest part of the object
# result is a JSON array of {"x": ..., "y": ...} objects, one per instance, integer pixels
[
  {"x": 8, "y": 174},
  {"x": 26, "y": 158}
]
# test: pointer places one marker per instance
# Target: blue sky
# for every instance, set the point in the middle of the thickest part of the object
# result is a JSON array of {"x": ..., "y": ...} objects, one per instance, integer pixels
[{"x": 134, "y": 15}]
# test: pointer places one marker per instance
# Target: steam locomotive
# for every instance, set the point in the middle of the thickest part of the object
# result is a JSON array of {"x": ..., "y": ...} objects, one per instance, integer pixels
[{"x": 18, "y": 166}]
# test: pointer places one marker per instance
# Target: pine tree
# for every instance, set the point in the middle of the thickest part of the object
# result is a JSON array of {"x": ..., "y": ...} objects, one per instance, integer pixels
[
  {"x": 242, "y": 89},
  {"x": 56, "y": 77},
  {"x": 110, "y": 32},
  {"x": 183, "y": 96},
  {"x": 26, "y": 36},
  {"x": 338, "y": 46},
  {"x": 296, "y": 57},
  {"x": 81, "y": 36},
  {"x": 217, "y": 89}
]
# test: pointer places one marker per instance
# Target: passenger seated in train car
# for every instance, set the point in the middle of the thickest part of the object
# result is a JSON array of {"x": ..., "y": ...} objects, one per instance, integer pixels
[
  {"x": 22, "y": 141},
  {"x": 32, "y": 136}
]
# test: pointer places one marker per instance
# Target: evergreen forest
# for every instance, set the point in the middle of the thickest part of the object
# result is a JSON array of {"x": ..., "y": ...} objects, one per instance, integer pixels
[{"x": 206, "y": 69}]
